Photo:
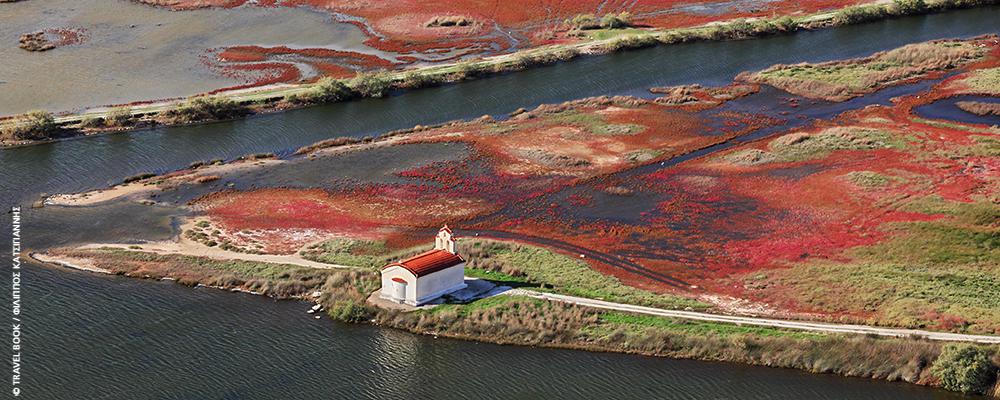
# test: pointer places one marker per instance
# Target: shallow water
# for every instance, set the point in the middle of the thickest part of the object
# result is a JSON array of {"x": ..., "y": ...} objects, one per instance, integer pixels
[
  {"x": 947, "y": 110},
  {"x": 54, "y": 167},
  {"x": 134, "y": 52}
]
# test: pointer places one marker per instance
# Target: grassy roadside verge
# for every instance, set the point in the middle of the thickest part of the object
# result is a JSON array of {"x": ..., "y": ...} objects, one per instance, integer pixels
[{"x": 236, "y": 104}]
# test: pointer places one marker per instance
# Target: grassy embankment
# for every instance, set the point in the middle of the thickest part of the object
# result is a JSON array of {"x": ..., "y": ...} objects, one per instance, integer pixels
[
  {"x": 525, "y": 321},
  {"x": 842, "y": 80},
  {"x": 606, "y": 38}
]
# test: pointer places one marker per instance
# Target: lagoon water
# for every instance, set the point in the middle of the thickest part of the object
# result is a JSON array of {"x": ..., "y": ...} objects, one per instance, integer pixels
[
  {"x": 133, "y": 52},
  {"x": 89, "y": 336}
]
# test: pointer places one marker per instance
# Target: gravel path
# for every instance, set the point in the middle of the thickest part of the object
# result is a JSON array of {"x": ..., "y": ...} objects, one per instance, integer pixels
[{"x": 776, "y": 323}]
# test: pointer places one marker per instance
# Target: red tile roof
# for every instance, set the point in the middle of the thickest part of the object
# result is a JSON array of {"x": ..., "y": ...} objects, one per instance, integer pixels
[{"x": 428, "y": 262}]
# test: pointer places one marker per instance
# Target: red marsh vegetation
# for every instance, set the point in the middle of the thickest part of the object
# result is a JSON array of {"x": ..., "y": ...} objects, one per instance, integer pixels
[{"x": 877, "y": 215}]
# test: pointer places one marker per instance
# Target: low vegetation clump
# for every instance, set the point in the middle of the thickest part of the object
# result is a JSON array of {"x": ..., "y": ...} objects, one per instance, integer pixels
[
  {"x": 119, "y": 117},
  {"x": 867, "y": 179},
  {"x": 842, "y": 80},
  {"x": 608, "y": 21},
  {"x": 985, "y": 81},
  {"x": 965, "y": 369},
  {"x": 371, "y": 84},
  {"x": 630, "y": 42},
  {"x": 205, "y": 108},
  {"x": 979, "y": 108},
  {"x": 859, "y": 14},
  {"x": 502, "y": 319},
  {"x": 326, "y": 90},
  {"x": 449, "y": 20},
  {"x": 417, "y": 80},
  {"x": 138, "y": 177},
  {"x": 749, "y": 157},
  {"x": 91, "y": 122},
  {"x": 744, "y": 29},
  {"x": 804, "y": 146},
  {"x": 33, "y": 125}
]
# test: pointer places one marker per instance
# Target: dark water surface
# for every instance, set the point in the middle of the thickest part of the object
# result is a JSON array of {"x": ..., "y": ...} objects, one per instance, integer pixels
[
  {"x": 87, "y": 163},
  {"x": 947, "y": 109}
]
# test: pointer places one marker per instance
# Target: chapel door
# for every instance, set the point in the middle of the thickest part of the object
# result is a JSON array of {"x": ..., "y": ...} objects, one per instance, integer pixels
[{"x": 399, "y": 291}]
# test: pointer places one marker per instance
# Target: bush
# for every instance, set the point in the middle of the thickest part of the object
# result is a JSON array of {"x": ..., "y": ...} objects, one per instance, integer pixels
[
  {"x": 631, "y": 42},
  {"x": 325, "y": 90},
  {"x": 33, "y": 125},
  {"x": 743, "y": 29},
  {"x": 329, "y": 90},
  {"x": 584, "y": 21},
  {"x": 907, "y": 7},
  {"x": 612, "y": 21},
  {"x": 859, "y": 14},
  {"x": 118, "y": 116},
  {"x": 349, "y": 311},
  {"x": 449, "y": 20},
  {"x": 371, "y": 84},
  {"x": 965, "y": 368},
  {"x": 416, "y": 80},
  {"x": 786, "y": 24},
  {"x": 471, "y": 69},
  {"x": 205, "y": 109},
  {"x": 91, "y": 122}
]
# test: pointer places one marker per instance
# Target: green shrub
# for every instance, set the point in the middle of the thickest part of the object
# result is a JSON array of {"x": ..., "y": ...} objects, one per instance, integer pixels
[
  {"x": 471, "y": 69},
  {"x": 371, "y": 84},
  {"x": 965, "y": 369},
  {"x": 349, "y": 310},
  {"x": 786, "y": 24},
  {"x": 859, "y": 14},
  {"x": 118, "y": 116},
  {"x": 329, "y": 90},
  {"x": 205, "y": 108},
  {"x": 908, "y": 7},
  {"x": 32, "y": 125},
  {"x": 631, "y": 42},
  {"x": 584, "y": 21},
  {"x": 91, "y": 122},
  {"x": 138, "y": 177},
  {"x": 616, "y": 21},
  {"x": 416, "y": 80}
]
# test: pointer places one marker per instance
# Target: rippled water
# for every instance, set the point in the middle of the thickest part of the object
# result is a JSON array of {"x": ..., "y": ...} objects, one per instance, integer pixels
[
  {"x": 57, "y": 167},
  {"x": 98, "y": 337}
]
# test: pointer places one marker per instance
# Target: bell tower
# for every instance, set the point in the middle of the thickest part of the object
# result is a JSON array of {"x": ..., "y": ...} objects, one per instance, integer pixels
[{"x": 444, "y": 240}]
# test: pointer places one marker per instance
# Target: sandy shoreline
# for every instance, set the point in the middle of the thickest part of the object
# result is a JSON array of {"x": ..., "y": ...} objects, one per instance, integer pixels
[
  {"x": 69, "y": 262},
  {"x": 155, "y": 183}
]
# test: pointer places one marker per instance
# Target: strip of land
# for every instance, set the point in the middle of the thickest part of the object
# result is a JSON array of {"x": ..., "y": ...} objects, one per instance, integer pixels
[{"x": 774, "y": 323}]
